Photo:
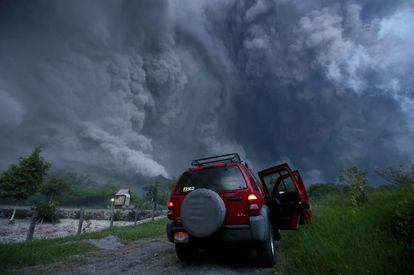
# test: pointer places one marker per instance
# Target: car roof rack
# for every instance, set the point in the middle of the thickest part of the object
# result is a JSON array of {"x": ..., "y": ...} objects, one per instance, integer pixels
[{"x": 235, "y": 158}]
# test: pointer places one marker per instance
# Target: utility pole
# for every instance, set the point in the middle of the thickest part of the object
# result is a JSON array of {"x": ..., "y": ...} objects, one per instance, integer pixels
[
  {"x": 112, "y": 213},
  {"x": 81, "y": 212}
]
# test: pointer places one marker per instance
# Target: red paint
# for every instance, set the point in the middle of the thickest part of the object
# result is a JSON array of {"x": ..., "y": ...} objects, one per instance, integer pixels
[
  {"x": 243, "y": 203},
  {"x": 301, "y": 207}
]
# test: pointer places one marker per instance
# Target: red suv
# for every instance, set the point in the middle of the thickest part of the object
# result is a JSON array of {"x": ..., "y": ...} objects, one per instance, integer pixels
[{"x": 221, "y": 200}]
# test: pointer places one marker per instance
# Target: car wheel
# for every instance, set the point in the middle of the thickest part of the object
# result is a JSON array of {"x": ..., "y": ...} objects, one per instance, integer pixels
[
  {"x": 202, "y": 213},
  {"x": 266, "y": 251},
  {"x": 276, "y": 235},
  {"x": 186, "y": 252}
]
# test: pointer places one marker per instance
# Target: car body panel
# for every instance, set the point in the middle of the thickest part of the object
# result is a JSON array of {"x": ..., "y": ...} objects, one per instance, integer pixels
[
  {"x": 237, "y": 201},
  {"x": 287, "y": 197}
]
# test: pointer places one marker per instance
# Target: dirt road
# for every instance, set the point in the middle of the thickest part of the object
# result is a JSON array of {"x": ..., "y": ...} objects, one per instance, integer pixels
[{"x": 154, "y": 257}]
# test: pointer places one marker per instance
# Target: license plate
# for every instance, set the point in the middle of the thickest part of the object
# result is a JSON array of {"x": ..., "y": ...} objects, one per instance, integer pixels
[{"x": 181, "y": 237}]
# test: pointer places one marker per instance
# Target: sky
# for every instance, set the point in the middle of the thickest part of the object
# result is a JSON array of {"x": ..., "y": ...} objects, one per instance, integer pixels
[{"x": 129, "y": 88}]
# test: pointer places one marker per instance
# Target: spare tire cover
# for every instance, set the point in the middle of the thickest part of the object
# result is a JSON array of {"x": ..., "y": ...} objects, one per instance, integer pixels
[{"x": 202, "y": 212}]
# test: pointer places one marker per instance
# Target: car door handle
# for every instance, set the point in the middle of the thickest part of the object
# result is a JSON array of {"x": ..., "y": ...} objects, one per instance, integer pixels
[{"x": 234, "y": 198}]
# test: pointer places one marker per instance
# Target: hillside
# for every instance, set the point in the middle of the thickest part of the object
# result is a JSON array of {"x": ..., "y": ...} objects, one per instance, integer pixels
[{"x": 374, "y": 239}]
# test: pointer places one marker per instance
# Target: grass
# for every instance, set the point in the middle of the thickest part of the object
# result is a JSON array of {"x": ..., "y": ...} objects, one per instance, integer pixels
[
  {"x": 129, "y": 234},
  {"x": 16, "y": 255},
  {"x": 343, "y": 240}
]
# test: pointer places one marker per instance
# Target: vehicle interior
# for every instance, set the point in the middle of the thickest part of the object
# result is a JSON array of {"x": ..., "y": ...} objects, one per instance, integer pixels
[{"x": 282, "y": 199}]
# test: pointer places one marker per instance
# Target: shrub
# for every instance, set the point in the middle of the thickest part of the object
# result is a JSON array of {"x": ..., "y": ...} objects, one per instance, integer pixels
[
  {"x": 357, "y": 182},
  {"x": 322, "y": 190},
  {"x": 404, "y": 219},
  {"x": 47, "y": 212},
  {"x": 131, "y": 215},
  {"x": 117, "y": 215},
  {"x": 397, "y": 175}
]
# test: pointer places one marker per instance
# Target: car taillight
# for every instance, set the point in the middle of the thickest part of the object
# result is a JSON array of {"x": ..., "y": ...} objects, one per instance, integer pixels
[
  {"x": 254, "y": 209},
  {"x": 252, "y": 198},
  {"x": 170, "y": 214}
]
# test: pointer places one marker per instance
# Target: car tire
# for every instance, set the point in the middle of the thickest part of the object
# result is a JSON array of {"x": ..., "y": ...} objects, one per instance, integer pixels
[
  {"x": 202, "y": 213},
  {"x": 266, "y": 251},
  {"x": 276, "y": 235},
  {"x": 186, "y": 252}
]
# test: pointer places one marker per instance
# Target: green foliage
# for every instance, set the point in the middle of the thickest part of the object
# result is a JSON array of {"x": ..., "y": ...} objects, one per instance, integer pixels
[
  {"x": 54, "y": 188},
  {"x": 40, "y": 252},
  {"x": 52, "y": 250},
  {"x": 47, "y": 212},
  {"x": 25, "y": 179},
  {"x": 397, "y": 175},
  {"x": 322, "y": 190},
  {"x": 404, "y": 219},
  {"x": 157, "y": 192},
  {"x": 129, "y": 234},
  {"x": 117, "y": 215},
  {"x": 93, "y": 195},
  {"x": 142, "y": 203},
  {"x": 344, "y": 241},
  {"x": 357, "y": 182},
  {"x": 131, "y": 215},
  {"x": 151, "y": 192},
  {"x": 81, "y": 190}
]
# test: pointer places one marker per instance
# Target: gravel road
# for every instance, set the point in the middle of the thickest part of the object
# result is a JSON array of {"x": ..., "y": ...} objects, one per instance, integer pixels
[{"x": 154, "y": 257}]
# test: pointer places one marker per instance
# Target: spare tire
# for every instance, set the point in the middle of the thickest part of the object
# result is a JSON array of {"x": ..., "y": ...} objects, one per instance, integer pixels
[{"x": 202, "y": 212}]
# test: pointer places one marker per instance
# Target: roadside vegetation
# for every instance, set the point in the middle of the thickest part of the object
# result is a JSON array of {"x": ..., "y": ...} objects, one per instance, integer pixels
[
  {"x": 16, "y": 255},
  {"x": 355, "y": 230},
  {"x": 32, "y": 182}
]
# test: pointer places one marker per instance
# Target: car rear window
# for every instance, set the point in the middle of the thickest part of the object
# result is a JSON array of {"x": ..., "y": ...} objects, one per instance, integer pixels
[{"x": 219, "y": 179}]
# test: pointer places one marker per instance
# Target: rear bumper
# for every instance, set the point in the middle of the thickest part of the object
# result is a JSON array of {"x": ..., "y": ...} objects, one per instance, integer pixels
[{"x": 257, "y": 230}]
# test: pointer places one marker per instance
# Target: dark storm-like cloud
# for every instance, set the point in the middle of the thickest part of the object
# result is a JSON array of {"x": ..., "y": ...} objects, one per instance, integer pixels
[{"x": 144, "y": 86}]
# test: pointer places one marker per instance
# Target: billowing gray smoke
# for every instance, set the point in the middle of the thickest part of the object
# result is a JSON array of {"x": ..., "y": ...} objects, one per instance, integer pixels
[{"x": 142, "y": 87}]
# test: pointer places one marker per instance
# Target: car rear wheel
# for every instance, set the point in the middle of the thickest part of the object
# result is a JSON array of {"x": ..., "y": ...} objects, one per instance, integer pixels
[
  {"x": 186, "y": 252},
  {"x": 266, "y": 251}
]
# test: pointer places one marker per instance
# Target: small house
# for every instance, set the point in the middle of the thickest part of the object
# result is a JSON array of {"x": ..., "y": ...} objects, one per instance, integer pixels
[{"x": 122, "y": 198}]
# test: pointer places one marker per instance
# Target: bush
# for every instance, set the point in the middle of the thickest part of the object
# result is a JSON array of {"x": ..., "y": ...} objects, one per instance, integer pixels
[
  {"x": 397, "y": 175},
  {"x": 321, "y": 190},
  {"x": 117, "y": 215},
  {"x": 344, "y": 241},
  {"x": 404, "y": 219},
  {"x": 131, "y": 215},
  {"x": 357, "y": 182},
  {"x": 47, "y": 212}
]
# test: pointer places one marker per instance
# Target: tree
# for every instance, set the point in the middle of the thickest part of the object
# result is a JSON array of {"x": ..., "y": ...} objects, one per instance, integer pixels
[
  {"x": 53, "y": 187},
  {"x": 357, "y": 182},
  {"x": 397, "y": 175},
  {"x": 152, "y": 194},
  {"x": 25, "y": 179},
  {"x": 321, "y": 190}
]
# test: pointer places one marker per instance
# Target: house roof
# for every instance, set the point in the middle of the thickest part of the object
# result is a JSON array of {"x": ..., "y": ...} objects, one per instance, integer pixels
[{"x": 122, "y": 192}]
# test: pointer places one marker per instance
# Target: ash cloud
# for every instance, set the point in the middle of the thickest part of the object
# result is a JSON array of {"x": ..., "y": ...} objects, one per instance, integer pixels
[{"x": 142, "y": 87}]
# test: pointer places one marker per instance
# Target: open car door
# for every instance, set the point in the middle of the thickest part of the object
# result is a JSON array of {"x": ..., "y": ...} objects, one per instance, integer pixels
[
  {"x": 306, "y": 211},
  {"x": 286, "y": 196}
]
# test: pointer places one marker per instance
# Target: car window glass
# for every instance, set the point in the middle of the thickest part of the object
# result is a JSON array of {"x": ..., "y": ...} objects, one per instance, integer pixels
[
  {"x": 290, "y": 186},
  {"x": 281, "y": 188},
  {"x": 254, "y": 182},
  {"x": 271, "y": 179},
  {"x": 218, "y": 179},
  {"x": 259, "y": 184}
]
